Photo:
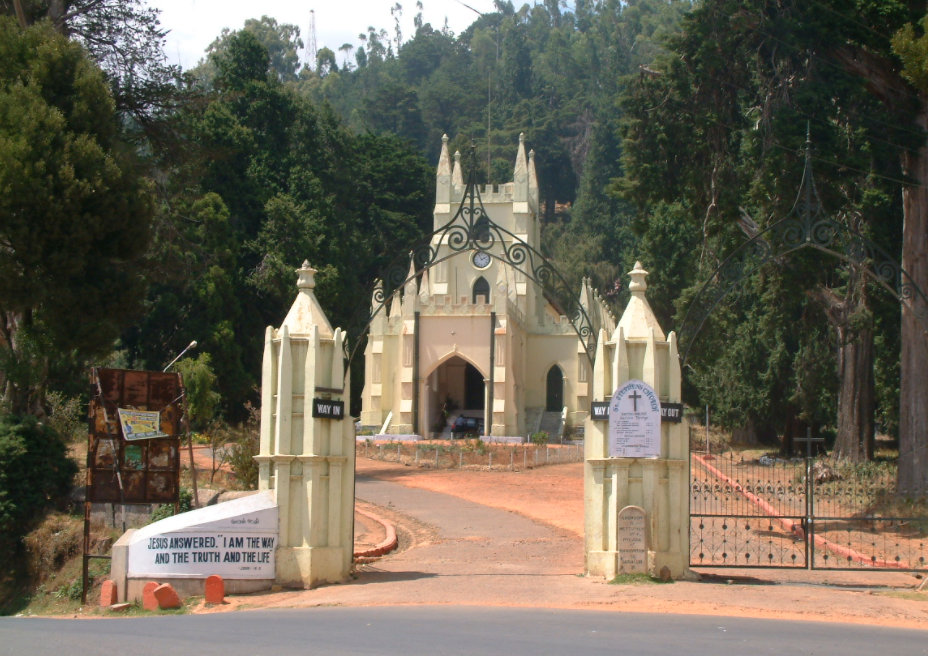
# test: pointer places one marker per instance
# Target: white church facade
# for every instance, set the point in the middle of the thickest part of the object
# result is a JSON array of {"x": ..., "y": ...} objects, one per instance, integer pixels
[{"x": 475, "y": 333}]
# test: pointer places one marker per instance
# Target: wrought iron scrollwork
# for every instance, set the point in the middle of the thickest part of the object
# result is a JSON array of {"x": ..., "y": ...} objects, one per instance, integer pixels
[
  {"x": 806, "y": 226},
  {"x": 470, "y": 230}
]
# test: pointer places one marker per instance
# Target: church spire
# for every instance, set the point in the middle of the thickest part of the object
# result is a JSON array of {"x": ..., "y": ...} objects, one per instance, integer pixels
[
  {"x": 532, "y": 179},
  {"x": 443, "y": 175},
  {"x": 457, "y": 175},
  {"x": 424, "y": 287},
  {"x": 444, "y": 160},
  {"x": 521, "y": 163},
  {"x": 520, "y": 175},
  {"x": 411, "y": 290}
]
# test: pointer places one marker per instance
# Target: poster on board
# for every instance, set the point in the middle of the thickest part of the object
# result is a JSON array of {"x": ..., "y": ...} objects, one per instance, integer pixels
[{"x": 635, "y": 422}]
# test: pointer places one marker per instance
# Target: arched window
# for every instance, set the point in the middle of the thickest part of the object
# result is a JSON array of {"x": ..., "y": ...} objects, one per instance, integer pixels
[
  {"x": 482, "y": 229},
  {"x": 555, "y": 390},
  {"x": 481, "y": 288}
]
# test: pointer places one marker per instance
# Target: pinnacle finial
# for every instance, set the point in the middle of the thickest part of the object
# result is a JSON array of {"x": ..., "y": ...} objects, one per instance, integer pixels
[
  {"x": 638, "y": 285},
  {"x": 444, "y": 160},
  {"x": 457, "y": 175},
  {"x": 305, "y": 279}
]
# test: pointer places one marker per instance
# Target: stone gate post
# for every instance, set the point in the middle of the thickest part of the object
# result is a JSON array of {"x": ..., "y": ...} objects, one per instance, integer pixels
[
  {"x": 659, "y": 486},
  {"x": 307, "y": 442}
]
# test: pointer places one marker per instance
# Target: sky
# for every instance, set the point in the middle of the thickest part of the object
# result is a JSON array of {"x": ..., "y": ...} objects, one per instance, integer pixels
[{"x": 193, "y": 24}]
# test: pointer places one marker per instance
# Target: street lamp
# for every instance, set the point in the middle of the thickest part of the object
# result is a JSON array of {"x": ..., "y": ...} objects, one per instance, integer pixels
[{"x": 191, "y": 345}]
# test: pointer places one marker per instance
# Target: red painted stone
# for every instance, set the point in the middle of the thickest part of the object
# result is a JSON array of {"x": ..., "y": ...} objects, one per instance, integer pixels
[
  {"x": 166, "y": 596},
  {"x": 215, "y": 590},
  {"x": 148, "y": 596},
  {"x": 108, "y": 594}
]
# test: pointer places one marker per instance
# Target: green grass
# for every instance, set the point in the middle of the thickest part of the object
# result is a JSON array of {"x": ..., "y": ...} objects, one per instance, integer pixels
[
  {"x": 910, "y": 595},
  {"x": 637, "y": 579}
]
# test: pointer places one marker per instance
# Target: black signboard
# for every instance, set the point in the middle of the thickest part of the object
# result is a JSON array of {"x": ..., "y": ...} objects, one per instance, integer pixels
[
  {"x": 670, "y": 412},
  {"x": 599, "y": 410},
  {"x": 326, "y": 409}
]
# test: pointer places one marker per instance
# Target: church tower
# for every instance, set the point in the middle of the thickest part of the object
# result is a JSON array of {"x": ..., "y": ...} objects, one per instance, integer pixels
[{"x": 474, "y": 334}]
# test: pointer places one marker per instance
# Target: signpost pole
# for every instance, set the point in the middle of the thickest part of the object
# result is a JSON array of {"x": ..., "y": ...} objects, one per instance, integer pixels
[{"x": 193, "y": 465}]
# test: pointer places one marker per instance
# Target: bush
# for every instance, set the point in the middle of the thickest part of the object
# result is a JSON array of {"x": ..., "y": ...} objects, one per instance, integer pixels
[
  {"x": 242, "y": 460},
  {"x": 247, "y": 444},
  {"x": 68, "y": 417},
  {"x": 540, "y": 438},
  {"x": 35, "y": 472},
  {"x": 167, "y": 510}
]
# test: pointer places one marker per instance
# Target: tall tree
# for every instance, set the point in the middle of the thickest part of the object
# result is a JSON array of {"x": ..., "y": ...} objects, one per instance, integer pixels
[
  {"x": 743, "y": 79},
  {"x": 74, "y": 215},
  {"x": 900, "y": 90},
  {"x": 126, "y": 40}
]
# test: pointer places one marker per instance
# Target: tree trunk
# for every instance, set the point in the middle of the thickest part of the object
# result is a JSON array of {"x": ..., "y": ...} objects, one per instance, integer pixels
[
  {"x": 856, "y": 387},
  {"x": 913, "y": 385},
  {"x": 855, "y": 397}
]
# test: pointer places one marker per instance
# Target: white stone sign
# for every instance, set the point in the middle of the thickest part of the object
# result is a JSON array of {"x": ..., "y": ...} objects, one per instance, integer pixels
[
  {"x": 633, "y": 540},
  {"x": 236, "y": 540},
  {"x": 635, "y": 422}
]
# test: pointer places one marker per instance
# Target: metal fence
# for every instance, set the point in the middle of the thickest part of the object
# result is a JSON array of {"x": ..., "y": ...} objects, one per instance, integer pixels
[{"x": 802, "y": 513}]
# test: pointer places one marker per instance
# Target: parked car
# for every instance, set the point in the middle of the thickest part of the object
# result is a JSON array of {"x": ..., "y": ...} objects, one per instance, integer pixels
[{"x": 467, "y": 427}]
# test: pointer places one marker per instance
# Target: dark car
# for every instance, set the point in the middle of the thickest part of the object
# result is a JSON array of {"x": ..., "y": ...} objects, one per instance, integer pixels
[{"x": 467, "y": 427}]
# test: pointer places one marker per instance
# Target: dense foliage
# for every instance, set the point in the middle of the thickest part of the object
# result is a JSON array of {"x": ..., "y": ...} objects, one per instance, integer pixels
[
  {"x": 74, "y": 214},
  {"x": 35, "y": 472}
]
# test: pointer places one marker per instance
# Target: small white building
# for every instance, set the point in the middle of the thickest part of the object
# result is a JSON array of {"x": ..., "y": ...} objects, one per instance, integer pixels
[{"x": 475, "y": 328}]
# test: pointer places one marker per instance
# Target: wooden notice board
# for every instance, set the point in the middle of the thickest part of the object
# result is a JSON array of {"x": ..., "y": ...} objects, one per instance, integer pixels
[{"x": 139, "y": 471}]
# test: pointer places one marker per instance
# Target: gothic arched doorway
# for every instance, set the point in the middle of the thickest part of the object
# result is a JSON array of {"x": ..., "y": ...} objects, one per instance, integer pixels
[
  {"x": 454, "y": 388},
  {"x": 555, "y": 390}
]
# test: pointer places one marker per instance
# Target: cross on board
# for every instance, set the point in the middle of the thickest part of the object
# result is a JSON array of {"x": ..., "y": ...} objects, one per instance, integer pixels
[{"x": 634, "y": 396}]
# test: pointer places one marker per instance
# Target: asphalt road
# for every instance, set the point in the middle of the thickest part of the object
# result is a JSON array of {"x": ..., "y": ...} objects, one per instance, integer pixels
[{"x": 439, "y": 631}]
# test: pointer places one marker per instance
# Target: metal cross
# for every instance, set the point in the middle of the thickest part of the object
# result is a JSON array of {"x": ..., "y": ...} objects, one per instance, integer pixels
[{"x": 634, "y": 396}]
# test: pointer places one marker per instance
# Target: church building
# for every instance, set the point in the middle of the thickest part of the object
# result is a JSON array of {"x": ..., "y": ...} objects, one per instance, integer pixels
[{"x": 474, "y": 333}]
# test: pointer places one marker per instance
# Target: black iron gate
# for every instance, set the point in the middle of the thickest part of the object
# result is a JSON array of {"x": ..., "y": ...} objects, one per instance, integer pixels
[{"x": 802, "y": 513}]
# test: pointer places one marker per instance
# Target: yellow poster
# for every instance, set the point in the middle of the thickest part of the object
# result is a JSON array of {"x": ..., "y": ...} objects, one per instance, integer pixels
[{"x": 140, "y": 424}]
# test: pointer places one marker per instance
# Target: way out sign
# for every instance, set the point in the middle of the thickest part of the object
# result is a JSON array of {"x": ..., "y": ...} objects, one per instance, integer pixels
[
  {"x": 325, "y": 409},
  {"x": 635, "y": 422}
]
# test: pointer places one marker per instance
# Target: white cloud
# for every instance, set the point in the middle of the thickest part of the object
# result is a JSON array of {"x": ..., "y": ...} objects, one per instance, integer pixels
[{"x": 193, "y": 24}]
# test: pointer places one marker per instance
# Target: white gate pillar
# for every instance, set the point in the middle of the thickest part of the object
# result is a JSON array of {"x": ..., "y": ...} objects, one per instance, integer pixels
[
  {"x": 637, "y": 350},
  {"x": 308, "y": 461}
]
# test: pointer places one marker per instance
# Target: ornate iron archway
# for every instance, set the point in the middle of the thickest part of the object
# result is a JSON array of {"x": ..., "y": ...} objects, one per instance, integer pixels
[
  {"x": 806, "y": 226},
  {"x": 469, "y": 230}
]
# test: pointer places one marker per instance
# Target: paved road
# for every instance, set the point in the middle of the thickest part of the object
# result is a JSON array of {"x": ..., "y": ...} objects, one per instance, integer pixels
[{"x": 448, "y": 631}]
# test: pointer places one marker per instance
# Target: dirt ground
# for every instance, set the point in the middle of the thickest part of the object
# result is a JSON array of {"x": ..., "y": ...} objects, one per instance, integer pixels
[{"x": 516, "y": 539}]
